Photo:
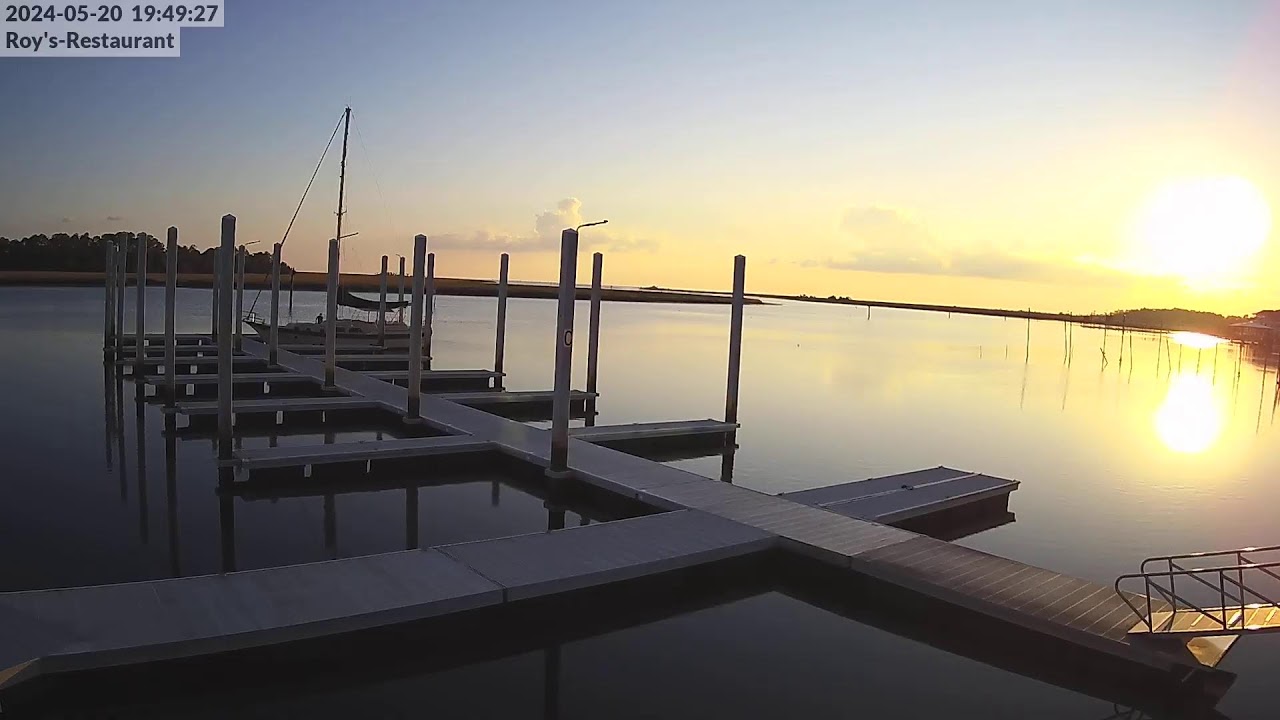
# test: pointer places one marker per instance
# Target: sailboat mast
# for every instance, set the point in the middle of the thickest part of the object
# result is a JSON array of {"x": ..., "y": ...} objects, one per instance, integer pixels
[{"x": 342, "y": 172}]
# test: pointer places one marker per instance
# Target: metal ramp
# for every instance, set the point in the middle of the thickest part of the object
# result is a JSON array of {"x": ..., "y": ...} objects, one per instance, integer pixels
[{"x": 1213, "y": 594}]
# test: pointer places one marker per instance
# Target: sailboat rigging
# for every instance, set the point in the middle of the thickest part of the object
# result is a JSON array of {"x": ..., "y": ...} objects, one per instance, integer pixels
[{"x": 389, "y": 333}]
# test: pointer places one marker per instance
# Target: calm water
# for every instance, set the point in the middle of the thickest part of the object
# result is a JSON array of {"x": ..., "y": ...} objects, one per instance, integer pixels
[{"x": 1151, "y": 456}]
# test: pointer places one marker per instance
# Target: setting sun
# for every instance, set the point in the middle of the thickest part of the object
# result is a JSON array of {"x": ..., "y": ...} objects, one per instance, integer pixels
[{"x": 1203, "y": 230}]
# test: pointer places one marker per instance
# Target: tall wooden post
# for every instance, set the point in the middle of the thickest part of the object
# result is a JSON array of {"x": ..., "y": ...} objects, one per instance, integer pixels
[
  {"x": 593, "y": 335},
  {"x": 501, "y": 339},
  {"x": 226, "y": 272},
  {"x": 273, "y": 335},
  {"x": 415, "y": 328},
  {"x": 400, "y": 313},
  {"x": 216, "y": 292},
  {"x": 735, "y": 338},
  {"x": 428, "y": 308},
  {"x": 331, "y": 318},
  {"x": 382, "y": 304},
  {"x": 559, "y": 468},
  {"x": 140, "y": 309},
  {"x": 122, "y": 270},
  {"x": 241, "y": 257},
  {"x": 170, "y": 316},
  {"x": 108, "y": 299}
]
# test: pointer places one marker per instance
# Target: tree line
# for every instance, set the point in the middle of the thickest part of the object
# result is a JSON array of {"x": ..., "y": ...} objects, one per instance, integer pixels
[{"x": 82, "y": 252}]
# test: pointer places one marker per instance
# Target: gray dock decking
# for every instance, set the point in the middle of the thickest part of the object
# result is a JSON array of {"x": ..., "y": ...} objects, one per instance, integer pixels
[
  {"x": 53, "y": 631},
  {"x": 898, "y": 498},
  {"x": 707, "y": 520},
  {"x": 364, "y": 450}
]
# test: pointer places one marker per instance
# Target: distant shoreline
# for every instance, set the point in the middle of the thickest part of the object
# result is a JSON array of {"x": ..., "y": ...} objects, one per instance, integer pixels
[
  {"x": 1145, "y": 319},
  {"x": 370, "y": 284}
]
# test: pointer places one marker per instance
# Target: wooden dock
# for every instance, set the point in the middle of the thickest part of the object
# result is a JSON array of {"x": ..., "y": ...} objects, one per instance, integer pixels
[
  {"x": 706, "y": 520},
  {"x": 58, "y": 631},
  {"x": 907, "y": 496}
]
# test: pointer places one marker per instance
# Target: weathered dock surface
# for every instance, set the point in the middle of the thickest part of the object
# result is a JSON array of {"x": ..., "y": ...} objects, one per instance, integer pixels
[
  {"x": 271, "y": 406},
  {"x": 898, "y": 498},
  {"x": 54, "y": 631},
  {"x": 1039, "y": 600},
  {"x": 365, "y": 450},
  {"x": 606, "y": 434},
  {"x": 707, "y": 520}
]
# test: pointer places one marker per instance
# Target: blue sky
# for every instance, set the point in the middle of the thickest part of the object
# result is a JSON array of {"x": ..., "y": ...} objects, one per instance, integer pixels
[{"x": 700, "y": 129}]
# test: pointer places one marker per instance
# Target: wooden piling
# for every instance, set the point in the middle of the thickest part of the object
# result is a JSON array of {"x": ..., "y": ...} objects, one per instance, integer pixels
[
  {"x": 170, "y": 316},
  {"x": 108, "y": 299},
  {"x": 122, "y": 270},
  {"x": 500, "y": 339},
  {"x": 226, "y": 271},
  {"x": 241, "y": 253},
  {"x": 400, "y": 310},
  {"x": 559, "y": 467},
  {"x": 414, "y": 406},
  {"x": 428, "y": 308},
  {"x": 735, "y": 338},
  {"x": 382, "y": 304},
  {"x": 331, "y": 318},
  {"x": 217, "y": 293},
  {"x": 593, "y": 335},
  {"x": 273, "y": 336},
  {"x": 140, "y": 304}
]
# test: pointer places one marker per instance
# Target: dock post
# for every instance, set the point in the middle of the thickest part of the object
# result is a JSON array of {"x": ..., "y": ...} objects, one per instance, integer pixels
[
  {"x": 382, "y": 304},
  {"x": 429, "y": 300},
  {"x": 108, "y": 299},
  {"x": 273, "y": 335},
  {"x": 241, "y": 253},
  {"x": 216, "y": 291},
  {"x": 501, "y": 339},
  {"x": 140, "y": 308},
  {"x": 400, "y": 310},
  {"x": 170, "y": 316},
  {"x": 331, "y": 318},
  {"x": 415, "y": 329},
  {"x": 559, "y": 468},
  {"x": 593, "y": 336},
  {"x": 735, "y": 338},
  {"x": 226, "y": 260},
  {"x": 122, "y": 270}
]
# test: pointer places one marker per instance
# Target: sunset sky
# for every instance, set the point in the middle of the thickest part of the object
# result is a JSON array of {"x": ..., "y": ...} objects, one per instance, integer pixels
[{"x": 1055, "y": 155}]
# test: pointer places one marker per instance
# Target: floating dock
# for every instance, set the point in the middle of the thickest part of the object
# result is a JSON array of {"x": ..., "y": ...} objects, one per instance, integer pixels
[{"x": 853, "y": 530}]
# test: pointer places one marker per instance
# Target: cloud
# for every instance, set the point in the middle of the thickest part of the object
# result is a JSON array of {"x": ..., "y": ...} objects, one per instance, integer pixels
[
  {"x": 547, "y": 227},
  {"x": 114, "y": 218},
  {"x": 68, "y": 220},
  {"x": 890, "y": 241}
]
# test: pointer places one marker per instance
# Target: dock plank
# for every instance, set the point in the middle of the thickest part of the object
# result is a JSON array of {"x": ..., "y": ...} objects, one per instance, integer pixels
[
  {"x": 533, "y": 566},
  {"x": 652, "y": 431},
  {"x": 274, "y": 405},
  {"x": 293, "y": 456}
]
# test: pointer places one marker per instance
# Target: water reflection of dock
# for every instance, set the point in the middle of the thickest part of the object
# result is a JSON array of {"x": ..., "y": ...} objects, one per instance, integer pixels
[{"x": 849, "y": 530}]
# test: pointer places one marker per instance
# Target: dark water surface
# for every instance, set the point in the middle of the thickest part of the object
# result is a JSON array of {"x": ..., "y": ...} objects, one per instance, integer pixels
[{"x": 1117, "y": 462}]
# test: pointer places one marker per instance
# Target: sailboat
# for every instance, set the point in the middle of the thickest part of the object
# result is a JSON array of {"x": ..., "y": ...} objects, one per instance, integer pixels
[{"x": 350, "y": 332}]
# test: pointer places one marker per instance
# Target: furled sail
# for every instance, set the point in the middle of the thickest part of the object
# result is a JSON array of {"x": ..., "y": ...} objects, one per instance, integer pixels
[{"x": 346, "y": 298}]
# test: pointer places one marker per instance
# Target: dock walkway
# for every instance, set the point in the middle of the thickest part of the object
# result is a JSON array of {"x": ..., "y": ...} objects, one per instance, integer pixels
[
  {"x": 57, "y": 631},
  {"x": 707, "y": 520}
]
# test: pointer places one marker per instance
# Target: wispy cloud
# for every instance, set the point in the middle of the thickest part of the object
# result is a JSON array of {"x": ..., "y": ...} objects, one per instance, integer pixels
[
  {"x": 547, "y": 226},
  {"x": 68, "y": 220},
  {"x": 114, "y": 218},
  {"x": 886, "y": 240}
]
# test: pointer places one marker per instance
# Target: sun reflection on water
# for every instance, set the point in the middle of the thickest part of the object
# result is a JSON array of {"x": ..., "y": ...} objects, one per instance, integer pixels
[
  {"x": 1196, "y": 340},
  {"x": 1190, "y": 419}
]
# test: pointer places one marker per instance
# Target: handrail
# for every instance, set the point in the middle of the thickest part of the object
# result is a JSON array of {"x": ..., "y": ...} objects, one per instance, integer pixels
[
  {"x": 1233, "y": 575},
  {"x": 1187, "y": 556}
]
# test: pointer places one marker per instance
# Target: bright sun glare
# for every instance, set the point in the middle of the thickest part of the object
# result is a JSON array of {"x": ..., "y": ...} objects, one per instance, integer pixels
[
  {"x": 1189, "y": 420},
  {"x": 1203, "y": 230}
]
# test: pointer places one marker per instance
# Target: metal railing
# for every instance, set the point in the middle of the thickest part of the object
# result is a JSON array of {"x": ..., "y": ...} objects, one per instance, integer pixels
[{"x": 1226, "y": 581}]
